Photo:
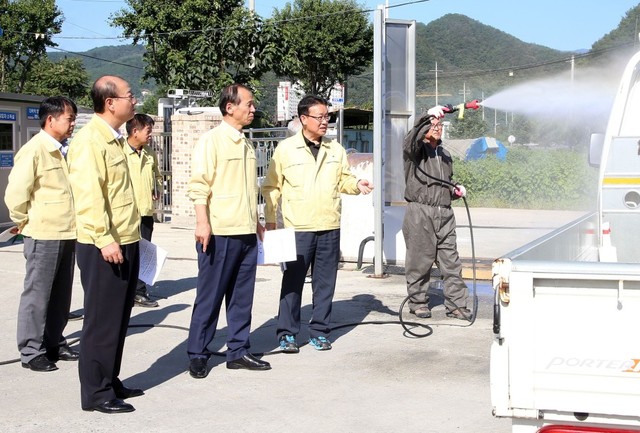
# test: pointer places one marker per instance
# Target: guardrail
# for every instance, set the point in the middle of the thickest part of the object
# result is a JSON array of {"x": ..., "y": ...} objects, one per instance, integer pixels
[{"x": 264, "y": 140}]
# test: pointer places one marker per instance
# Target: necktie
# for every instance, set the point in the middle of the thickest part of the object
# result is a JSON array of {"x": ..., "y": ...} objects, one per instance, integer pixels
[{"x": 64, "y": 148}]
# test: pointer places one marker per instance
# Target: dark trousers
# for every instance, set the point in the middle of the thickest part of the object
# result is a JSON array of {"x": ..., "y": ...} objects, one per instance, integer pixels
[
  {"x": 108, "y": 299},
  {"x": 44, "y": 304},
  {"x": 323, "y": 250},
  {"x": 146, "y": 230},
  {"x": 226, "y": 271}
]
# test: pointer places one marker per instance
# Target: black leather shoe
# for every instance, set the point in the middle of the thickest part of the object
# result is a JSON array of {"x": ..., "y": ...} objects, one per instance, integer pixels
[
  {"x": 125, "y": 392},
  {"x": 40, "y": 363},
  {"x": 144, "y": 301},
  {"x": 248, "y": 362},
  {"x": 65, "y": 353},
  {"x": 112, "y": 406},
  {"x": 198, "y": 368},
  {"x": 74, "y": 316}
]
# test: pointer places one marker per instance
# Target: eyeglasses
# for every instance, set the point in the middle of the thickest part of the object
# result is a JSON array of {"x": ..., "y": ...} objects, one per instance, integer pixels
[
  {"x": 320, "y": 119},
  {"x": 130, "y": 97},
  {"x": 436, "y": 128}
]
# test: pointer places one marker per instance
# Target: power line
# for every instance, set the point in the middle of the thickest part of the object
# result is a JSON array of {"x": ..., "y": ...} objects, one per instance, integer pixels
[
  {"x": 98, "y": 58},
  {"x": 347, "y": 12},
  {"x": 267, "y": 22},
  {"x": 460, "y": 74},
  {"x": 593, "y": 53},
  {"x": 476, "y": 73}
]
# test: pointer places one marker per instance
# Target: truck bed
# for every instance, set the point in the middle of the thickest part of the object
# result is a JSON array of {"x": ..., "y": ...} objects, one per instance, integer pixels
[{"x": 566, "y": 346}]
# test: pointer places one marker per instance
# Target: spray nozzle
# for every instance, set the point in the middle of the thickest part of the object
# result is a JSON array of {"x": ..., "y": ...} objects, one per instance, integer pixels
[{"x": 471, "y": 105}]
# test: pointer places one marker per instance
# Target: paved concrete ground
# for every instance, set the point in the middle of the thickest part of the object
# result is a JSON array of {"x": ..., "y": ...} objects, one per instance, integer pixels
[{"x": 376, "y": 379}]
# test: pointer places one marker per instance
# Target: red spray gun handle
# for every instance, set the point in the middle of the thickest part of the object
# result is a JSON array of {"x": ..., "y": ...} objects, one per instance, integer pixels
[{"x": 471, "y": 105}]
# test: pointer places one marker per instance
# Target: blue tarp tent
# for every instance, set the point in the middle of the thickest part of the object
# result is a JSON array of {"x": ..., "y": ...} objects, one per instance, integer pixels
[{"x": 484, "y": 146}]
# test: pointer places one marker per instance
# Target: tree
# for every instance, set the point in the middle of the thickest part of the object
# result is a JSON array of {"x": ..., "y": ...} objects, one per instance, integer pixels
[
  {"x": 330, "y": 40},
  {"x": 150, "y": 100},
  {"x": 67, "y": 77},
  {"x": 521, "y": 128},
  {"x": 211, "y": 43},
  {"x": 28, "y": 26},
  {"x": 470, "y": 126},
  {"x": 622, "y": 40}
]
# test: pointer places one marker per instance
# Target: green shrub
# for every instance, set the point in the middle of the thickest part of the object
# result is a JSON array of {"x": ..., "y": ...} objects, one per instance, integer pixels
[{"x": 530, "y": 178}]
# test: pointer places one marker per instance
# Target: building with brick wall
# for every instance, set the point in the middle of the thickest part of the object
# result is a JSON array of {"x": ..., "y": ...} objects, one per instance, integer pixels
[{"x": 186, "y": 129}]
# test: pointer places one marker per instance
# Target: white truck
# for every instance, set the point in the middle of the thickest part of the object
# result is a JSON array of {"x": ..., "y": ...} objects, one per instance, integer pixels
[{"x": 566, "y": 352}]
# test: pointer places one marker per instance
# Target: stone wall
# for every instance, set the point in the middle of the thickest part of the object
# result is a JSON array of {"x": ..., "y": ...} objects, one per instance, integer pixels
[{"x": 186, "y": 130}]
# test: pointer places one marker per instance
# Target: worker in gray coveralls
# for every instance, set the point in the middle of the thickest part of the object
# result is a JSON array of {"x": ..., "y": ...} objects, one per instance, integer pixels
[{"x": 429, "y": 226}]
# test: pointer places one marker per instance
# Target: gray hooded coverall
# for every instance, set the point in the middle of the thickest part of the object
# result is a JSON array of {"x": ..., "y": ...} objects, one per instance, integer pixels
[{"x": 429, "y": 225}]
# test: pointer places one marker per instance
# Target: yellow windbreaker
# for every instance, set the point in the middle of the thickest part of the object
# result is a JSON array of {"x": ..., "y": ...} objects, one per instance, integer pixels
[
  {"x": 38, "y": 195},
  {"x": 223, "y": 177},
  {"x": 106, "y": 210},
  {"x": 309, "y": 188},
  {"x": 145, "y": 177}
]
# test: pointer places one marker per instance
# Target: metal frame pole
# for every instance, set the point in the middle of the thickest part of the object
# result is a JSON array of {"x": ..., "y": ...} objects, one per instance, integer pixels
[{"x": 378, "y": 137}]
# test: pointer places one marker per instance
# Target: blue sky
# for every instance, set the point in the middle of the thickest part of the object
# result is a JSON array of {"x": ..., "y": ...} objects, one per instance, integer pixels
[{"x": 560, "y": 24}]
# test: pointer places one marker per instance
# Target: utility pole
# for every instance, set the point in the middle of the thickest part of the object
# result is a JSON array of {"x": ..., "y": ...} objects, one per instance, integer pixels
[
  {"x": 573, "y": 67},
  {"x": 436, "y": 71},
  {"x": 464, "y": 92},
  {"x": 252, "y": 8}
]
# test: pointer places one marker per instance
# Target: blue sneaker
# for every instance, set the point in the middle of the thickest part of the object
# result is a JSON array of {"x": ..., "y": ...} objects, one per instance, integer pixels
[
  {"x": 288, "y": 344},
  {"x": 320, "y": 343}
]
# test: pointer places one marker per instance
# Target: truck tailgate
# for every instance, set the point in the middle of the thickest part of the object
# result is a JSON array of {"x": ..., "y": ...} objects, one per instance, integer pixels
[{"x": 577, "y": 349}]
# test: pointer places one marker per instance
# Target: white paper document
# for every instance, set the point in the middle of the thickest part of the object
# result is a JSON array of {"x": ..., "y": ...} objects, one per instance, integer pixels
[
  {"x": 278, "y": 246},
  {"x": 8, "y": 234},
  {"x": 152, "y": 259}
]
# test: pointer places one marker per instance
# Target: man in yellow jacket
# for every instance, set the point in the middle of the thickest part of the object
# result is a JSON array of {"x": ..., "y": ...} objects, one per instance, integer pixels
[
  {"x": 308, "y": 172},
  {"x": 108, "y": 225},
  {"x": 40, "y": 203},
  {"x": 224, "y": 190},
  {"x": 147, "y": 184}
]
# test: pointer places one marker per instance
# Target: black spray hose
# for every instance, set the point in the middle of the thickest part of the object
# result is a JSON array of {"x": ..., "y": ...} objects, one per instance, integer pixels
[
  {"x": 474, "y": 310},
  {"x": 343, "y": 325},
  {"x": 413, "y": 137},
  {"x": 404, "y": 324},
  {"x": 274, "y": 352},
  {"x": 361, "y": 251}
]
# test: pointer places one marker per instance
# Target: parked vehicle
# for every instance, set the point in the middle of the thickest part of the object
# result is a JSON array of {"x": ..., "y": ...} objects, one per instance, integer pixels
[{"x": 566, "y": 353}]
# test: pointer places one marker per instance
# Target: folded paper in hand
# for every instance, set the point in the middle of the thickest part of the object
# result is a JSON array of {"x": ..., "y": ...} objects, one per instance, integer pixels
[
  {"x": 278, "y": 246},
  {"x": 152, "y": 259}
]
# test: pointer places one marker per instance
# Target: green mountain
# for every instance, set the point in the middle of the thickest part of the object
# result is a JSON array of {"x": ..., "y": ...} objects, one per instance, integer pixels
[
  {"x": 123, "y": 60},
  {"x": 474, "y": 60}
]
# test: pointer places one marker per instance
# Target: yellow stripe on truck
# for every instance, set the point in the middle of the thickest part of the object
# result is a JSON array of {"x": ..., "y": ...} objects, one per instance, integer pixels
[{"x": 621, "y": 181}]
